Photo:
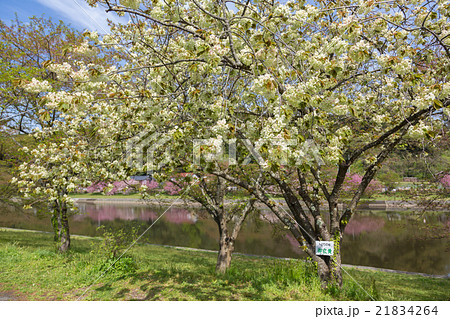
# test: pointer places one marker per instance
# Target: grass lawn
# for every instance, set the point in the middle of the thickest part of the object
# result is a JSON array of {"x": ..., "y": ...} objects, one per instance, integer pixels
[{"x": 31, "y": 269}]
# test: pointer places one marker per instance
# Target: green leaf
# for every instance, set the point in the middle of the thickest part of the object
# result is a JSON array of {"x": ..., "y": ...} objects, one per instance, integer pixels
[
  {"x": 42, "y": 101},
  {"x": 333, "y": 73},
  {"x": 437, "y": 104},
  {"x": 44, "y": 115}
]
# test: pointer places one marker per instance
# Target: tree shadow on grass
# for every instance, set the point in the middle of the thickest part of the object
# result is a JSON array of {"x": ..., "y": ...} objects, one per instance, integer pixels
[
  {"x": 418, "y": 288},
  {"x": 199, "y": 261},
  {"x": 181, "y": 284},
  {"x": 122, "y": 293},
  {"x": 80, "y": 249},
  {"x": 223, "y": 292},
  {"x": 152, "y": 293},
  {"x": 175, "y": 291},
  {"x": 104, "y": 287},
  {"x": 163, "y": 275},
  {"x": 187, "y": 277}
]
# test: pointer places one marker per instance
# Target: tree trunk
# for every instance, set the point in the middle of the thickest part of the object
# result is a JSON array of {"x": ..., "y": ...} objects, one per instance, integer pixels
[
  {"x": 226, "y": 247},
  {"x": 62, "y": 222},
  {"x": 329, "y": 269}
]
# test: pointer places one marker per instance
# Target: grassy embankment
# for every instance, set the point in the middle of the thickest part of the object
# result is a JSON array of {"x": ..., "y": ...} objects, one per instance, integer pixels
[{"x": 31, "y": 269}]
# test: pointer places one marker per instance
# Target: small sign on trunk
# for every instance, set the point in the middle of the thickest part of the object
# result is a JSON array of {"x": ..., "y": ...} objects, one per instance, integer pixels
[{"x": 324, "y": 248}]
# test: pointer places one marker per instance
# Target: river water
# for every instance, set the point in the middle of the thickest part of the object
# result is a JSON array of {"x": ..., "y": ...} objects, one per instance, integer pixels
[{"x": 401, "y": 240}]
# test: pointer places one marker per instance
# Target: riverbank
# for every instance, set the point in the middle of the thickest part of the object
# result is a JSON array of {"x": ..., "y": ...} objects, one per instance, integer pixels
[
  {"x": 175, "y": 201},
  {"x": 30, "y": 269}
]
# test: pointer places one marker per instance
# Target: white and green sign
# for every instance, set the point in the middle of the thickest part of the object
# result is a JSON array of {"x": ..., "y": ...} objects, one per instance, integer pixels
[{"x": 324, "y": 248}]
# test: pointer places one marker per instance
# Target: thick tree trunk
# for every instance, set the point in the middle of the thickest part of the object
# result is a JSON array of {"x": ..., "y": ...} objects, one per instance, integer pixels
[
  {"x": 329, "y": 269},
  {"x": 60, "y": 222},
  {"x": 64, "y": 234},
  {"x": 226, "y": 247}
]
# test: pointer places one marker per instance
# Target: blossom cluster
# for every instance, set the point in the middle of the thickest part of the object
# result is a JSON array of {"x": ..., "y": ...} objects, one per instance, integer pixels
[
  {"x": 84, "y": 49},
  {"x": 37, "y": 86}
]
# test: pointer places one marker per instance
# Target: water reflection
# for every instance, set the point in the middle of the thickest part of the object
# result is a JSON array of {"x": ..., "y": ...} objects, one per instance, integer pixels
[
  {"x": 109, "y": 213},
  {"x": 394, "y": 240},
  {"x": 364, "y": 224}
]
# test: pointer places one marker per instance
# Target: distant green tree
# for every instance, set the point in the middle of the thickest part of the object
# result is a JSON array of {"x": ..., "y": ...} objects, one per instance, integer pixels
[
  {"x": 389, "y": 178},
  {"x": 24, "y": 49}
]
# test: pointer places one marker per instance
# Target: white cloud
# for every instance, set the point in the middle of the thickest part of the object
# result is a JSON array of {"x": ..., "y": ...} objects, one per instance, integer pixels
[{"x": 81, "y": 14}]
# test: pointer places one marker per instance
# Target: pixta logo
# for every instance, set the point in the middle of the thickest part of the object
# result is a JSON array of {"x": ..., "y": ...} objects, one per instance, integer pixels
[
  {"x": 227, "y": 150},
  {"x": 150, "y": 152}
]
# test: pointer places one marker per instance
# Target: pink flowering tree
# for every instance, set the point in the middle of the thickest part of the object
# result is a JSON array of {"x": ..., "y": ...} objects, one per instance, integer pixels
[
  {"x": 353, "y": 181},
  {"x": 96, "y": 187},
  {"x": 123, "y": 187},
  {"x": 177, "y": 183},
  {"x": 445, "y": 181},
  {"x": 171, "y": 189},
  {"x": 148, "y": 186}
]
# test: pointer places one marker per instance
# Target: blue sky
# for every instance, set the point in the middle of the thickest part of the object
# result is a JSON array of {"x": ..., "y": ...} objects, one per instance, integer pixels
[{"x": 75, "y": 12}]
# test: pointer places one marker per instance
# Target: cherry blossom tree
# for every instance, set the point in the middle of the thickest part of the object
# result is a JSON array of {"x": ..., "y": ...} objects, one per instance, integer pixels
[
  {"x": 229, "y": 218},
  {"x": 48, "y": 177},
  {"x": 296, "y": 87},
  {"x": 65, "y": 159},
  {"x": 210, "y": 191},
  {"x": 62, "y": 162}
]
